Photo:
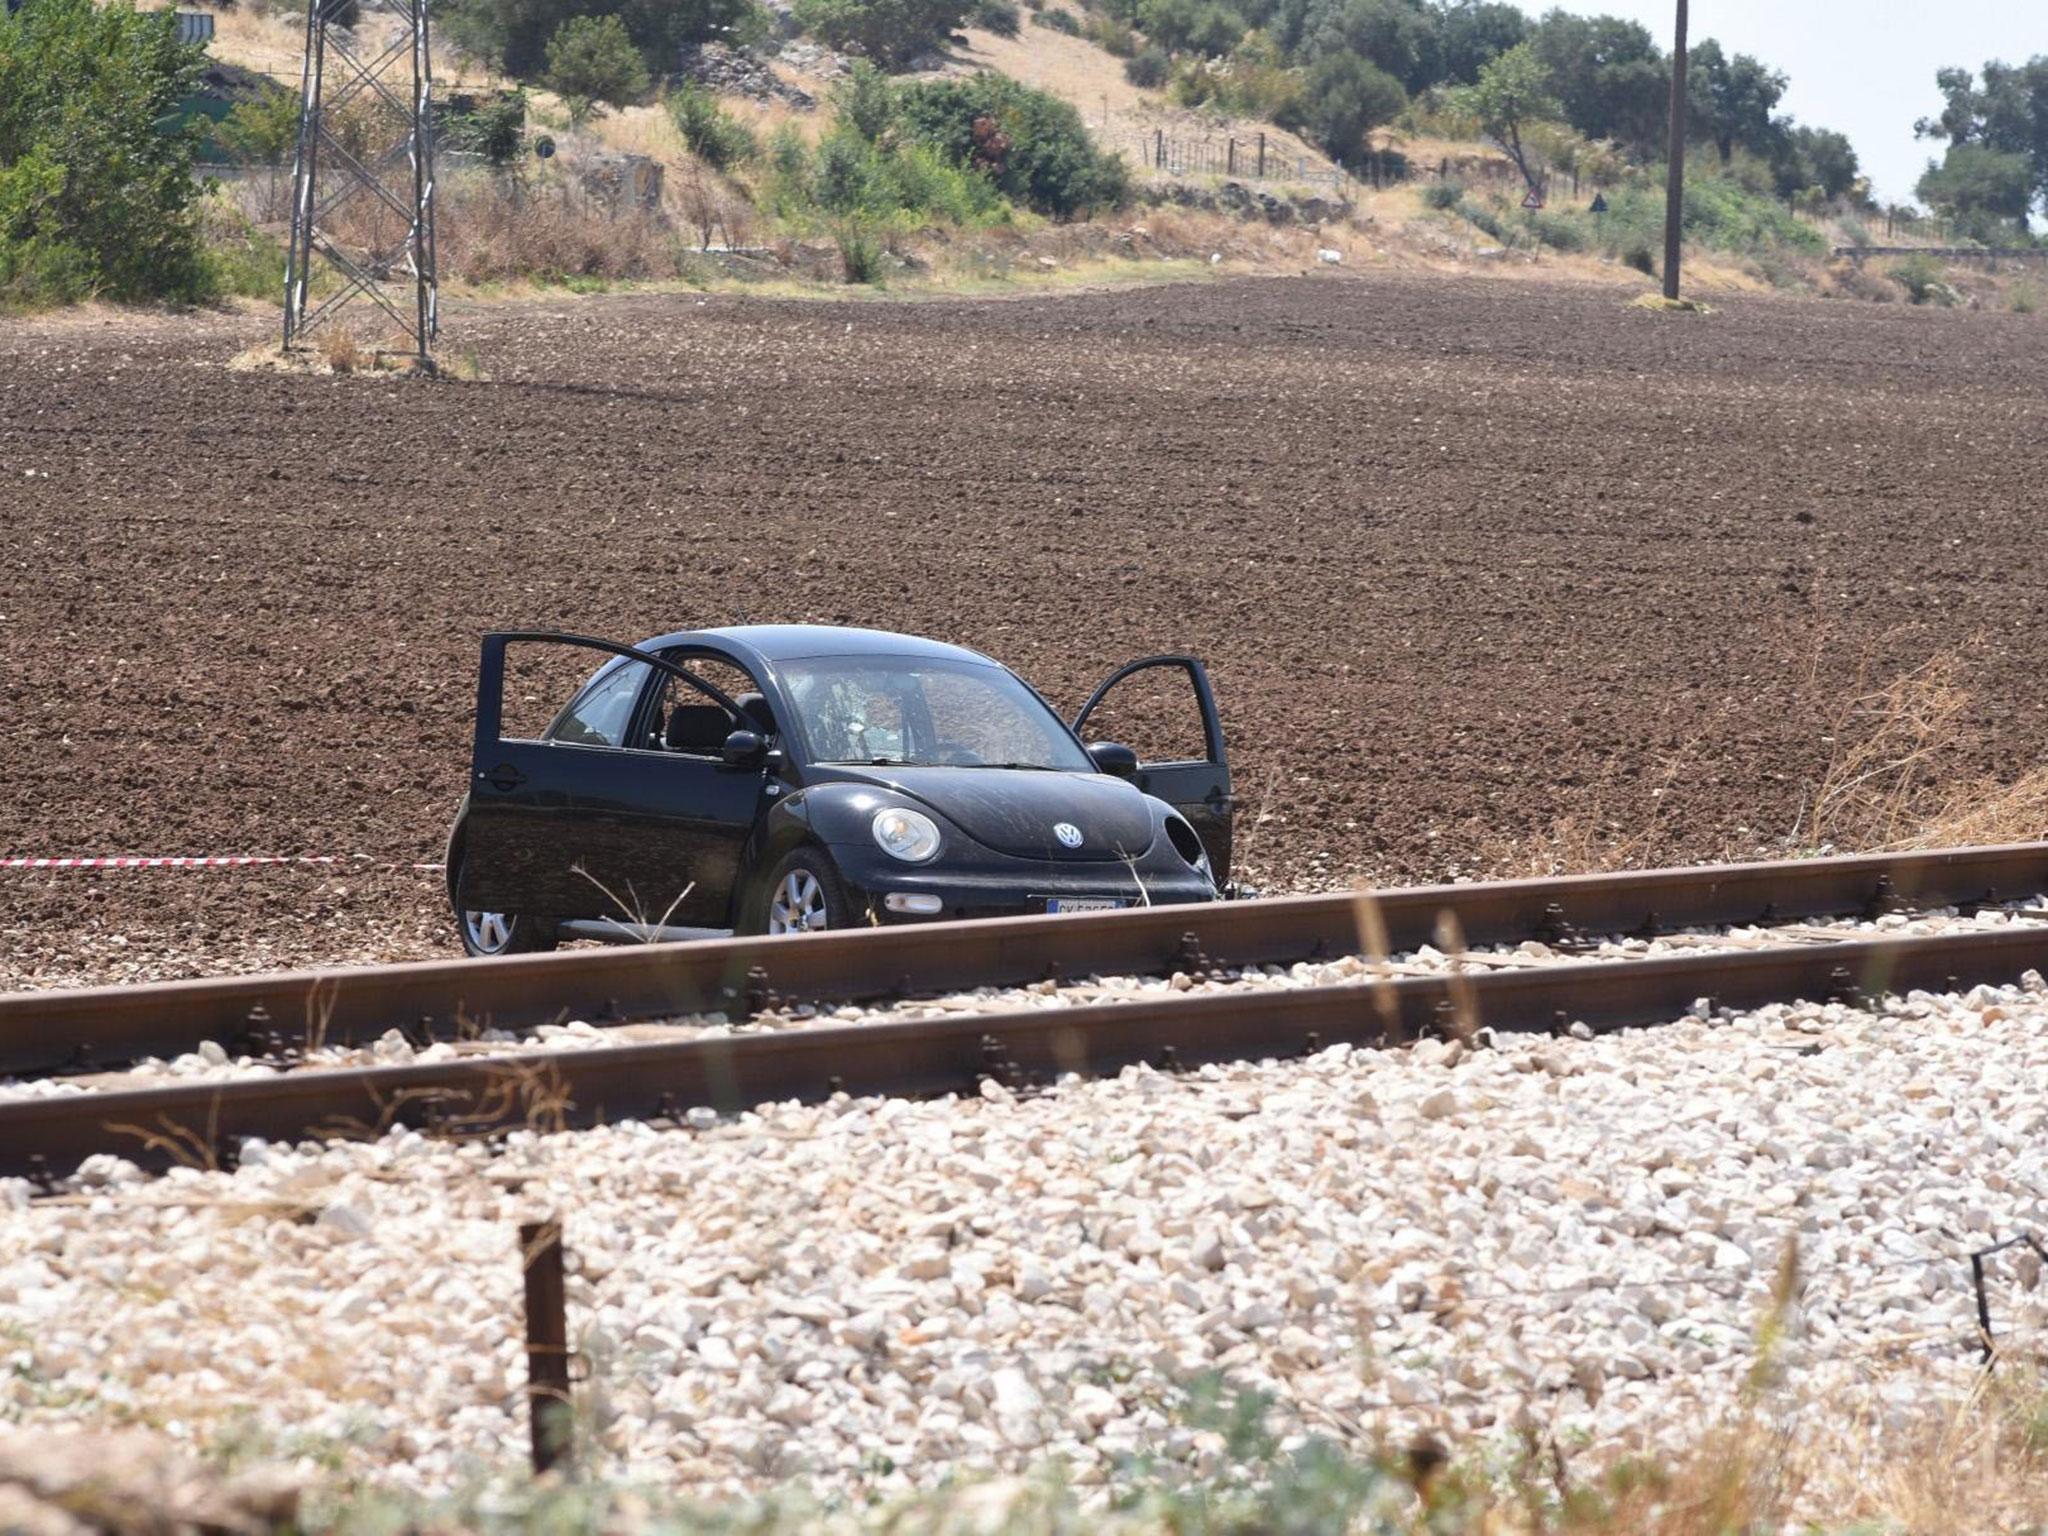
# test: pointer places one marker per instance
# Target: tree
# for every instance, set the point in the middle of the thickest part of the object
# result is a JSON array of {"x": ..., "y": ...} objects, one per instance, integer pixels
[
  {"x": 1396, "y": 36},
  {"x": 1513, "y": 91},
  {"x": 1974, "y": 183},
  {"x": 96, "y": 187},
  {"x": 1346, "y": 98},
  {"x": 1830, "y": 159},
  {"x": 1731, "y": 100},
  {"x": 891, "y": 32},
  {"x": 592, "y": 64},
  {"x": 1608, "y": 76},
  {"x": 1472, "y": 33},
  {"x": 2007, "y": 114}
]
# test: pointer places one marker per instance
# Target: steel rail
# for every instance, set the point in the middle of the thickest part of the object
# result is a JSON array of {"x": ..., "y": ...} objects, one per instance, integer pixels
[
  {"x": 108, "y": 1026},
  {"x": 205, "y": 1122}
]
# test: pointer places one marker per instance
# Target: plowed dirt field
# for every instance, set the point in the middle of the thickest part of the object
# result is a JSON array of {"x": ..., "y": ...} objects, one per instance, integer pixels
[{"x": 1485, "y": 570}]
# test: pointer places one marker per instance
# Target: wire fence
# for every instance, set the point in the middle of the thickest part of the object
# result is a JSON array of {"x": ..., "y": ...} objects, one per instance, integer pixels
[{"x": 1251, "y": 157}]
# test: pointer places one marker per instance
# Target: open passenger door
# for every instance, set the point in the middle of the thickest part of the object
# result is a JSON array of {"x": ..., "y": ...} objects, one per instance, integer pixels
[{"x": 1146, "y": 705}]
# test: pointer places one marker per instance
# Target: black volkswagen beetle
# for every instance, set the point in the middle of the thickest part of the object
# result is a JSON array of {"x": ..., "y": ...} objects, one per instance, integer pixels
[{"x": 837, "y": 777}]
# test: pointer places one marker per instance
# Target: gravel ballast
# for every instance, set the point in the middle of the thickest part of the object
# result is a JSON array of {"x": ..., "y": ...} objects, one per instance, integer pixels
[{"x": 1581, "y": 1236}]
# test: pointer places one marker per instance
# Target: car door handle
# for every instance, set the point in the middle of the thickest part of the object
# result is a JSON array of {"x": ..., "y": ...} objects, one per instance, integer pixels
[{"x": 504, "y": 777}]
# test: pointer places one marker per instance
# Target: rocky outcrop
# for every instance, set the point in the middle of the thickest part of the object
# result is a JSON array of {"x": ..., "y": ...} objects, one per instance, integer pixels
[
  {"x": 737, "y": 72},
  {"x": 1247, "y": 202}
]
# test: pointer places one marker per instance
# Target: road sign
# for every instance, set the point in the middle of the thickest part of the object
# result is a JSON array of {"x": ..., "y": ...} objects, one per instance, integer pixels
[{"x": 1534, "y": 199}]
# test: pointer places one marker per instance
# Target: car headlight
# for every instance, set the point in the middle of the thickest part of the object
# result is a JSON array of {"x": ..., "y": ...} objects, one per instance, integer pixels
[{"x": 910, "y": 836}]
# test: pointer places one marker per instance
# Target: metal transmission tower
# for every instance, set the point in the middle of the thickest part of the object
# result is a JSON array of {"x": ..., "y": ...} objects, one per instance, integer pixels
[{"x": 363, "y": 179}]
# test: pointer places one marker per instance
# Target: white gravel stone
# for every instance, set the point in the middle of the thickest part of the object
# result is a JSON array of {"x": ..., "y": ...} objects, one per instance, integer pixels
[{"x": 1585, "y": 1237}]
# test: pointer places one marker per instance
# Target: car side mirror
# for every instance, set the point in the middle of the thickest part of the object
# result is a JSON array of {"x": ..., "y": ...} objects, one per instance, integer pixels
[
  {"x": 1114, "y": 757},
  {"x": 744, "y": 749}
]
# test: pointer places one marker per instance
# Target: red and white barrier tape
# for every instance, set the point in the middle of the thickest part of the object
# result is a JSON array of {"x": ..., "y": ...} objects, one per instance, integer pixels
[{"x": 203, "y": 861}]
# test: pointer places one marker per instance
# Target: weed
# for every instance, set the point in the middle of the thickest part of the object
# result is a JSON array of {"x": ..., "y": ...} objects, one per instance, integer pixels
[
  {"x": 860, "y": 254},
  {"x": 1444, "y": 195},
  {"x": 342, "y": 352}
]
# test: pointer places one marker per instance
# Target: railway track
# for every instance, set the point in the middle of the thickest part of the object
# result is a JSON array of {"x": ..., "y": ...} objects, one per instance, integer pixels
[{"x": 204, "y": 1122}]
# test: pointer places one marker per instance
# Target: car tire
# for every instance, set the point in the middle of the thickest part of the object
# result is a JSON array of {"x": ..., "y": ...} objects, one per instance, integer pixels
[
  {"x": 808, "y": 895},
  {"x": 487, "y": 934}
]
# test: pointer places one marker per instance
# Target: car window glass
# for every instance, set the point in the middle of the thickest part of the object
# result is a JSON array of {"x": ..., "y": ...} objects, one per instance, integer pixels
[
  {"x": 705, "y": 725},
  {"x": 924, "y": 712},
  {"x": 1155, "y": 713},
  {"x": 600, "y": 715},
  {"x": 971, "y": 714}
]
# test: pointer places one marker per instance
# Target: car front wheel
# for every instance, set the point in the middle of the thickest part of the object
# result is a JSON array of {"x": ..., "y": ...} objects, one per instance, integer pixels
[{"x": 808, "y": 896}]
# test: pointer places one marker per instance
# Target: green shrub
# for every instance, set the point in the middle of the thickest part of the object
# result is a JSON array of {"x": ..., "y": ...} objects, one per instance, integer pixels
[
  {"x": 1921, "y": 277},
  {"x": 1858, "y": 235},
  {"x": 1030, "y": 144},
  {"x": 514, "y": 34},
  {"x": 1110, "y": 35},
  {"x": 880, "y": 184},
  {"x": 96, "y": 188},
  {"x": 1002, "y": 17},
  {"x": 860, "y": 253},
  {"x": 1559, "y": 232},
  {"x": 1641, "y": 257},
  {"x": 863, "y": 101},
  {"x": 1149, "y": 69},
  {"x": 262, "y": 130},
  {"x": 891, "y": 32},
  {"x": 1444, "y": 194},
  {"x": 495, "y": 129},
  {"x": 1057, "y": 21},
  {"x": 1487, "y": 221},
  {"x": 242, "y": 259},
  {"x": 713, "y": 134},
  {"x": 592, "y": 64},
  {"x": 1191, "y": 26},
  {"x": 2023, "y": 300}
]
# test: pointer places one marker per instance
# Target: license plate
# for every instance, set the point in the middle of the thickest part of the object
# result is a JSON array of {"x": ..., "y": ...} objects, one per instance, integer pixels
[{"x": 1082, "y": 903}]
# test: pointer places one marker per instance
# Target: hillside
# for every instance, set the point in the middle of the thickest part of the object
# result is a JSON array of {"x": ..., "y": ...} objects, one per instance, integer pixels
[{"x": 1425, "y": 191}]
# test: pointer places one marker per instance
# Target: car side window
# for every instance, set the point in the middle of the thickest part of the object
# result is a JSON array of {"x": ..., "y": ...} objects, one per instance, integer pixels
[
  {"x": 686, "y": 721},
  {"x": 599, "y": 716}
]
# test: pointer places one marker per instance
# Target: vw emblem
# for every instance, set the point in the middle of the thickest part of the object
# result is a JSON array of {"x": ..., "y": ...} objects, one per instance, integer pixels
[{"x": 1068, "y": 834}]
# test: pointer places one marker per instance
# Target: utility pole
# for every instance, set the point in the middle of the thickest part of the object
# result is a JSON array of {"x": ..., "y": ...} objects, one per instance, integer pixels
[
  {"x": 1674, "y": 183},
  {"x": 366, "y": 144}
]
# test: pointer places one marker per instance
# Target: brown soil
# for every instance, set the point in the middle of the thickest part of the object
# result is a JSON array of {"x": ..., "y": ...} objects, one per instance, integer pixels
[{"x": 1470, "y": 560}]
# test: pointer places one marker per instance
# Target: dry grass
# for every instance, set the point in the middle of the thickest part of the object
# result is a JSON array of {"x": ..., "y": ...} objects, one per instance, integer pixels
[
  {"x": 273, "y": 42},
  {"x": 1895, "y": 776},
  {"x": 1898, "y": 754}
]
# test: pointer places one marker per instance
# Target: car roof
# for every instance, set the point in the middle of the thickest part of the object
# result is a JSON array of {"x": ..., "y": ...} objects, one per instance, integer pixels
[{"x": 789, "y": 642}]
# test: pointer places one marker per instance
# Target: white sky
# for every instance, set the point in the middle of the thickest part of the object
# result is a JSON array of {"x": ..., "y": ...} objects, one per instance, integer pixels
[{"x": 1865, "y": 67}]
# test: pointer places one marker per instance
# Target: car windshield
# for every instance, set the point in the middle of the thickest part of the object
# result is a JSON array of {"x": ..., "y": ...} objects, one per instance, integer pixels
[{"x": 921, "y": 711}]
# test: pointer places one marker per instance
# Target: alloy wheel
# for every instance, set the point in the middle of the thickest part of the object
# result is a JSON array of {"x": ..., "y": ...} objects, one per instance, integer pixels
[
  {"x": 799, "y": 904},
  {"x": 489, "y": 932}
]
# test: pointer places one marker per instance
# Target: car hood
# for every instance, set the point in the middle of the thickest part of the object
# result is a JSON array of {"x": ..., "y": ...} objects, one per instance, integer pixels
[{"x": 1014, "y": 810}]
